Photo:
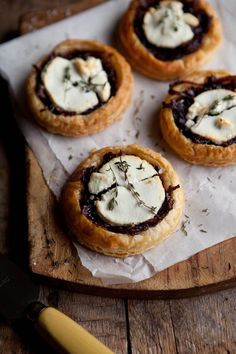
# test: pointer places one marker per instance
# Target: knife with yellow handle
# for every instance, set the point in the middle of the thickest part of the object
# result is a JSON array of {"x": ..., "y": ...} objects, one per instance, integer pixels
[{"x": 18, "y": 298}]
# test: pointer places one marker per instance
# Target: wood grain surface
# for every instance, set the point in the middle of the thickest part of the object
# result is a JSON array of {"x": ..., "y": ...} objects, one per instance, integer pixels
[
  {"x": 52, "y": 254},
  {"x": 36, "y": 19},
  {"x": 204, "y": 324},
  {"x": 188, "y": 326}
]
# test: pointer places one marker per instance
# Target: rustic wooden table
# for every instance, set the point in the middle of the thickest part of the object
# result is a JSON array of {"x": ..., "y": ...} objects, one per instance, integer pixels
[{"x": 203, "y": 324}]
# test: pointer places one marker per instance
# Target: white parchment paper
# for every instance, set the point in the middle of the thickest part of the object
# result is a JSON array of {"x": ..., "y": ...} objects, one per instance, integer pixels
[{"x": 210, "y": 215}]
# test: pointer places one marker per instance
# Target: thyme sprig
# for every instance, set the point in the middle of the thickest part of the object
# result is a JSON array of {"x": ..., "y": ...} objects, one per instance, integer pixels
[
  {"x": 84, "y": 85},
  {"x": 113, "y": 200},
  {"x": 123, "y": 166},
  {"x": 88, "y": 86},
  {"x": 213, "y": 109}
]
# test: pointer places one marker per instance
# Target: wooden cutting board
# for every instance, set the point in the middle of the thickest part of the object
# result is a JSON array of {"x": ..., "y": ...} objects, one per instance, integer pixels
[{"x": 52, "y": 255}]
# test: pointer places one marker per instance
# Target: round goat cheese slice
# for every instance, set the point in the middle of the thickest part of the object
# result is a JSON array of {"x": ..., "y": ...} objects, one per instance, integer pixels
[
  {"x": 167, "y": 25},
  {"x": 213, "y": 115},
  {"x": 131, "y": 190},
  {"x": 76, "y": 85}
]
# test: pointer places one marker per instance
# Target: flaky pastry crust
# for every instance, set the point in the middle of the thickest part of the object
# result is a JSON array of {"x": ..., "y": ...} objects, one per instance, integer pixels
[
  {"x": 146, "y": 63},
  {"x": 110, "y": 243},
  {"x": 79, "y": 125},
  {"x": 200, "y": 154}
]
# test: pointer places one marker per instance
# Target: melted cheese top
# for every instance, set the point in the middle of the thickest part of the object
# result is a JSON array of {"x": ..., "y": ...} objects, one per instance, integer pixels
[
  {"x": 213, "y": 115},
  {"x": 129, "y": 197},
  {"x": 167, "y": 25},
  {"x": 76, "y": 85}
]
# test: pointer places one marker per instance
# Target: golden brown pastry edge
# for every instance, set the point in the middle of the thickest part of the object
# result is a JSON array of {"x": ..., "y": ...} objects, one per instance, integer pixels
[
  {"x": 99, "y": 119},
  {"x": 144, "y": 62},
  {"x": 200, "y": 154},
  {"x": 109, "y": 243}
]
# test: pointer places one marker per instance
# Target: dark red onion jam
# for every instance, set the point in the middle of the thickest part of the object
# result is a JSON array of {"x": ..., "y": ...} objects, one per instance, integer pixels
[
  {"x": 44, "y": 97},
  {"x": 167, "y": 54},
  {"x": 87, "y": 203},
  {"x": 185, "y": 99}
]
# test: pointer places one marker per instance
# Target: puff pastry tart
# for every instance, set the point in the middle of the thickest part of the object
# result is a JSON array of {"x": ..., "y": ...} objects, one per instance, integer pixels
[
  {"x": 80, "y": 88},
  {"x": 198, "y": 118},
  {"x": 166, "y": 39},
  {"x": 122, "y": 201}
]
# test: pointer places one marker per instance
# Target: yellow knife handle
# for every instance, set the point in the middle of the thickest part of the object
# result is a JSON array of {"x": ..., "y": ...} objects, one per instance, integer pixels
[{"x": 65, "y": 335}]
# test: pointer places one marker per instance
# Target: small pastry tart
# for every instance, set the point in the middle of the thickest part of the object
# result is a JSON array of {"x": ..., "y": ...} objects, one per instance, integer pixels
[
  {"x": 167, "y": 39},
  {"x": 198, "y": 118},
  {"x": 122, "y": 201},
  {"x": 80, "y": 88}
]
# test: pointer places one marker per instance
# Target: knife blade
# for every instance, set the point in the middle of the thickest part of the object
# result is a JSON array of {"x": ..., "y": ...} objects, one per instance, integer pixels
[
  {"x": 17, "y": 290},
  {"x": 19, "y": 297}
]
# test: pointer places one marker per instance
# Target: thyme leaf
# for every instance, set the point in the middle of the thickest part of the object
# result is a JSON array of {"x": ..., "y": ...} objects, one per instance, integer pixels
[
  {"x": 67, "y": 74},
  {"x": 228, "y": 98},
  {"x": 113, "y": 202},
  {"x": 140, "y": 167},
  {"x": 212, "y": 111},
  {"x": 203, "y": 231},
  {"x": 123, "y": 166},
  {"x": 183, "y": 228}
]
